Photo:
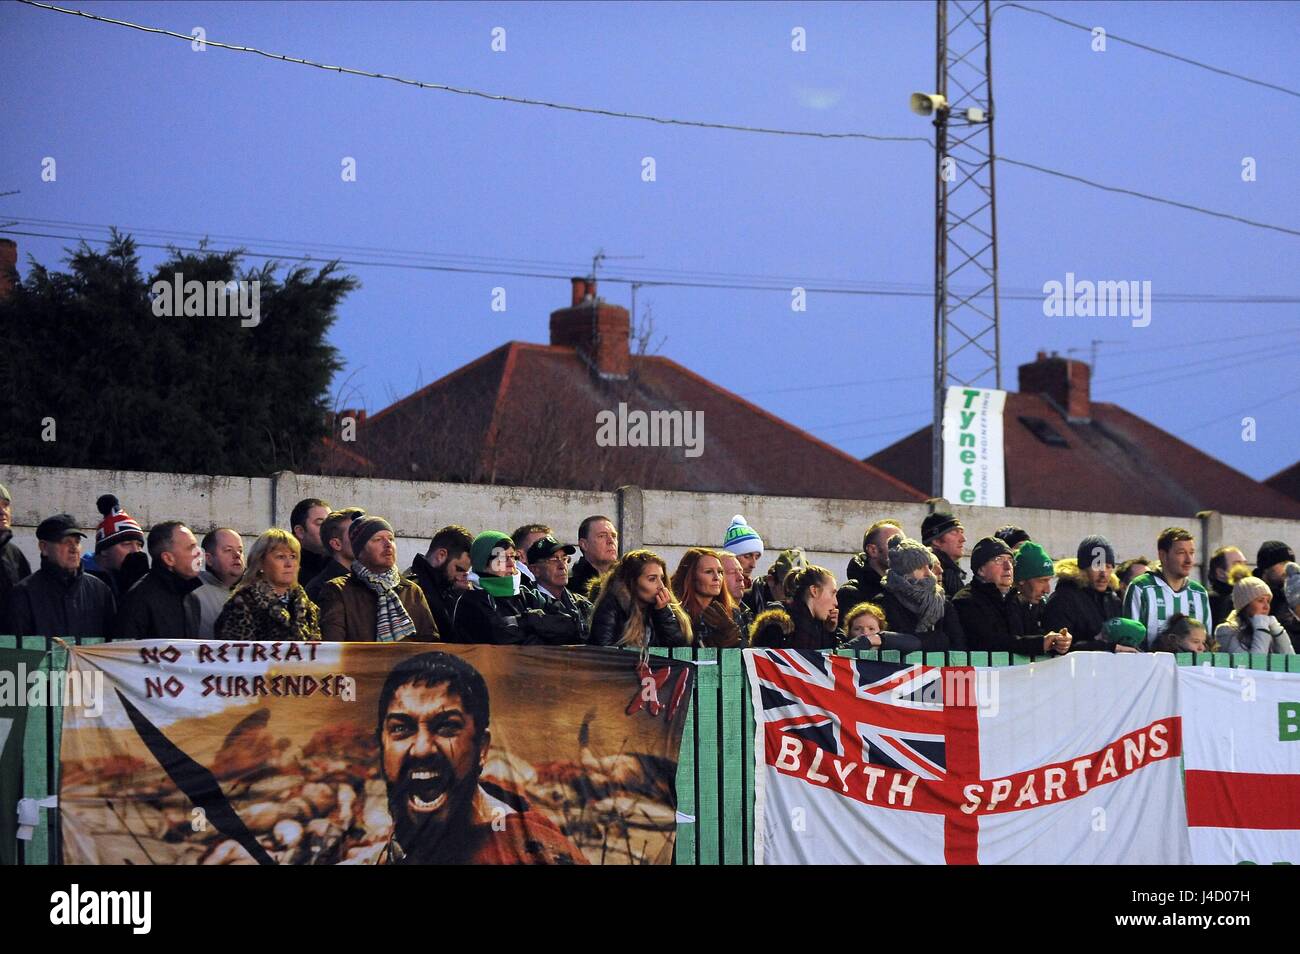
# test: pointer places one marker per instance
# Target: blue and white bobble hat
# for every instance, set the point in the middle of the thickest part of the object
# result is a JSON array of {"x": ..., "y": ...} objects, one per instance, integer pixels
[{"x": 741, "y": 538}]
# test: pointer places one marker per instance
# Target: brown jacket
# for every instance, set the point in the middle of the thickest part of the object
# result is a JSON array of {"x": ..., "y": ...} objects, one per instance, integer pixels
[{"x": 348, "y": 608}]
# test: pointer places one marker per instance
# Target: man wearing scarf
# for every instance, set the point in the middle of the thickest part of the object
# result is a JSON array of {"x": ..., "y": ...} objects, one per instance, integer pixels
[
  {"x": 374, "y": 603},
  {"x": 61, "y": 599},
  {"x": 499, "y": 610},
  {"x": 914, "y": 601}
]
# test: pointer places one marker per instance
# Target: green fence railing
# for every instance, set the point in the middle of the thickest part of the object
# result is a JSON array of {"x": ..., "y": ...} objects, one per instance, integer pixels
[{"x": 715, "y": 770}]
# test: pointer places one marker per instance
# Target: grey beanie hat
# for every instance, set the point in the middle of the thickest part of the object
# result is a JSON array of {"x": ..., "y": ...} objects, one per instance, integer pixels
[
  {"x": 907, "y": 555},
  {"x": 363, "y": 528}
]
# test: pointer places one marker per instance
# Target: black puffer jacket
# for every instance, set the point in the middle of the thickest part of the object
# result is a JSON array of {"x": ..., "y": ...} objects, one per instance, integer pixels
[
  {"x": 863, "y": 585},
  {"x": 160, "y": 606},
  {"x": 522, "y": 620},
  {"x": 438, "y": 593},
  {"x": 992, "y": 621},
  {"x": 13, "y": 567},
  {"x": 611, "y": 620},
  {"x": 946, "y": 635},
  {"x": 795, "y": 628},
  {"x": 721, "y": 637},
  {"x": 53, "y": 602},
  {"x": 1078, "y": 607}
]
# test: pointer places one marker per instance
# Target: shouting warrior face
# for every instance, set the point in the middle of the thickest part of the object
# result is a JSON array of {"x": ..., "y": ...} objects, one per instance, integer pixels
[{"x": 433, "y": 754}]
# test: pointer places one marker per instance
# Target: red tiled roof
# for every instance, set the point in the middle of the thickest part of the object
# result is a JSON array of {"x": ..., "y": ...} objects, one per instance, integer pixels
[
  {"x": 526, "y": 414},
  {"x": 1286, "y": 481},
  {"x": 1116, "y": 462}
]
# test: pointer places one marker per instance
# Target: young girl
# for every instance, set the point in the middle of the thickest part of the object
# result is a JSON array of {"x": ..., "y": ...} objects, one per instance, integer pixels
[
  {"x": 864, "y": 623},
  {"x": 1183, "y": 634},
  {"x": 1250, "y": 628}
]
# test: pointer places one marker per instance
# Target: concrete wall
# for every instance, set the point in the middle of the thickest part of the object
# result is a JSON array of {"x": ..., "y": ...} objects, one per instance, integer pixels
[{"x": 668, "y": 522}]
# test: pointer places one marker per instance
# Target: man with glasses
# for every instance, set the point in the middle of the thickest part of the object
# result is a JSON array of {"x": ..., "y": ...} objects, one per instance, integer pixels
[
  {"x": 987, "y": 607},
  {"x": 61, "y": 599},
  {"x": 549, "y": 560}
]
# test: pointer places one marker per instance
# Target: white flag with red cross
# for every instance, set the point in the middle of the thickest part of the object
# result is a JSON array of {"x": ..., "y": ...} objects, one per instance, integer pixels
[
  {"x": 1242, "y": 757},
  {"x": 1068, "y": 761}
]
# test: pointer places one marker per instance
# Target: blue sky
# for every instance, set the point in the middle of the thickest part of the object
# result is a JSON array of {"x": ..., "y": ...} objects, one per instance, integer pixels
[{"x": 149, "y": 134}]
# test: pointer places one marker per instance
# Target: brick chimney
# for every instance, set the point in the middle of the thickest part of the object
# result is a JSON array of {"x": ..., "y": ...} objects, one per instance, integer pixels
[
  {"x": 599, "y": 331},
  {"x": 1066, "y": 382},
  {"x": 8, "y": 266}
]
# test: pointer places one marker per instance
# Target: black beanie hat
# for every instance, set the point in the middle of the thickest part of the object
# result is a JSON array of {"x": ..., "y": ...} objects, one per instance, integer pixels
[
  {"x": 1011, "y": 536},
  {"x": 986, "y": 550},
  {"x": 937, "y": 524},
  {"x": 1273, "y": 552}
]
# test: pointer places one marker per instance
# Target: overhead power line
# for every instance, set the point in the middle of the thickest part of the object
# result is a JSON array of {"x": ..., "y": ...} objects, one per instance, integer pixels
[
  {"x": 646, "y": 277},
  {"x": 662, "y": 120},
  {"x": 1150, "y": 49}
]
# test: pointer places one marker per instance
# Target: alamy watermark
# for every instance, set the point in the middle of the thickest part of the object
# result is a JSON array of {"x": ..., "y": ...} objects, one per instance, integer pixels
[
  {"x": 637, "y": 428},
  {"x": 195, "y": 299},
  {"x": 1088, "y": 299},
  {"x": 79, "y": 689}
]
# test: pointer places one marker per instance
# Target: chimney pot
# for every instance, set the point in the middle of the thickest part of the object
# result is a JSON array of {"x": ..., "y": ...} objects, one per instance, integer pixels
[
  {"x": 597, "y": 330},
  {"x": 1066, "y": 382}
]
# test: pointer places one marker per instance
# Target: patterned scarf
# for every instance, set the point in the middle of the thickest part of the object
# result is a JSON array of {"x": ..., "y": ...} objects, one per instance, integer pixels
[
  {"x": 392, "y": 621},
  {"x": 924, "y": 597}
]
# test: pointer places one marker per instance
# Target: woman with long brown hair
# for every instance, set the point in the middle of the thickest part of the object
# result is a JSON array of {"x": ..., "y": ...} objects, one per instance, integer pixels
[
  {"x": 636, "y": 607},
  {"x": 811, "y": 617},
  {"x": 700, "y": 586}
]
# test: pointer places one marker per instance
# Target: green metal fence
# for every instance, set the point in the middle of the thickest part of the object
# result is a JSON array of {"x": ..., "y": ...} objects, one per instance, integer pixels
[{"x": 715, "y": 773}]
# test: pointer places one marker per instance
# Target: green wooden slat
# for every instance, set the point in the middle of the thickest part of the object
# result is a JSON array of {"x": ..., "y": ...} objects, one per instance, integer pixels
[
  {"x": 958, "y": 658},
  {"x": 914, "y": 659},
  {"x": 733, "y": 746},
  {"x": 37, "y": 742},
  {"x": 1258, "y": 661},
  {"x": 889, "y": 655},
  {"x": 1222, "y": 660},
  {"x": 684, "y": 853},
  {"x": 934, "y": 659},
  {"x": 1185, "y": 659},
  {"x": 1293, "y": 663},
  {"x": 999, "y": 659},
  {"x": 708, "y": 796},
  {"x": 750, "y": 726},
  {"x": 1241, "y": 660},
  {"x": 1019, "y": 660},
  {"x": 979, "y": 659},
  {"x": 1276, "y": 662}
]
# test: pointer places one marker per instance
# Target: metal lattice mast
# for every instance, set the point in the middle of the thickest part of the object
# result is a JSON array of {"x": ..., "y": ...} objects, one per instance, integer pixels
[{"x": 967, "y": 345}]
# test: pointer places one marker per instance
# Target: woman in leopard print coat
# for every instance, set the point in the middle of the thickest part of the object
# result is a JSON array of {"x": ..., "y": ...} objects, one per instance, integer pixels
[{"x": 268, "y": 603}]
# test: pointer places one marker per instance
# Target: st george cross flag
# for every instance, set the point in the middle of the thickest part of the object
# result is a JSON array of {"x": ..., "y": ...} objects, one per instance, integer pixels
[
  {"x": 1242, "y": 759},
  {"x": 1068, "y": 761}
]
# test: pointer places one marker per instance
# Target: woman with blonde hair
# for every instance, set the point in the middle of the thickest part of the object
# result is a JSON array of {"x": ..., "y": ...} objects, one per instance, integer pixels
[
  {"x": 268, "y": 603},
  {"x": 700, "y": 586},
  {"x": 636, "y": 607}
]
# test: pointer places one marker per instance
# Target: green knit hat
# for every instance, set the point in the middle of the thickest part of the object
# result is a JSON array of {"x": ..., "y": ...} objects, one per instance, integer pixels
[
  {"x": 1033, "y": 562},
  {"x": 480, "y": 551},
  {"x": 1126, "y": 632}
]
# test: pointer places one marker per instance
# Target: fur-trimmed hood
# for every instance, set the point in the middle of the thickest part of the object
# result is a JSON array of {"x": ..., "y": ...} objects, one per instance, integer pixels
[
  {"x": 1068, "y": 572},
  {"x": 776, "y": 616}
]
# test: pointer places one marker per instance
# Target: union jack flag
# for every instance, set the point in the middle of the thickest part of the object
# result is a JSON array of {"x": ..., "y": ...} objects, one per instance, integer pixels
[{"x": 881, "y": 713}]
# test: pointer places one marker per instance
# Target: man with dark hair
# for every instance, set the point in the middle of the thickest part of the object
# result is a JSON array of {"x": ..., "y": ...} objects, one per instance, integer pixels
[
  {"x": 1012, "y": 536},
  {"x": 13, "y": 562},
  {"x": 1087, "y": 594},
  {"x": 1270, "y": 566},
  {"x": 334, "y": 535},
  {"x": 1130, "y": 570},
  {"x": 946, "y": 538},
  {"x": 223, "y": 558},
  {"x": 550, "y": 562},
  {"x": 434, "y": 738},
  {"x": 499, "y": 610},
  {"x": 443, "y": 573},
  {"x": 374, "y": 603},
  {"x": 305, "y": 521},
  {"x": 1156, "y": 595},
  {"x": 61, "y": 599},
  {"x": 598, "y": 541},
  {"x": 1224, "y": 559},
  {"x": 524, "y": 537},
  {"x": 866, "y": 571},
  {"x": 162, "y": 604}
]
